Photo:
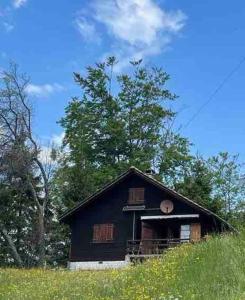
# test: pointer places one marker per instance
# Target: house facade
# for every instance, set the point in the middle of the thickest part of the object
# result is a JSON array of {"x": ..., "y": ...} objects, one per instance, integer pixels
[{"x": 134, "y": 217}]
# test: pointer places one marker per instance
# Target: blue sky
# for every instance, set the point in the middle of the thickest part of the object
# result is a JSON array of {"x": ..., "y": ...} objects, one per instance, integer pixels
[{"x": 197, "y": 42}]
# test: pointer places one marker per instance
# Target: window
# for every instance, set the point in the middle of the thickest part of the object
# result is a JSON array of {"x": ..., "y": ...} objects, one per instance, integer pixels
[
  {"x": 103, "y": 233},
  {"x": 185, "y": 231},
  {"x": 136, "y": 196}
]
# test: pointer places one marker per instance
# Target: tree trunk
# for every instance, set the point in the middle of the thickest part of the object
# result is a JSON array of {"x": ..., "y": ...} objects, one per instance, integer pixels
[
  {"x": 41, "y": 237},
  {"x": 12, "y": 247}
]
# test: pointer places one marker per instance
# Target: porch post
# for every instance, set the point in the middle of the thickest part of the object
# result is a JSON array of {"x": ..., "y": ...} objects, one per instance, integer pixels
[{"x": 133, "y": 226}]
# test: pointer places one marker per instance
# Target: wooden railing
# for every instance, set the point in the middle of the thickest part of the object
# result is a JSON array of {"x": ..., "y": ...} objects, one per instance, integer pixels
[{"x": 152, "y": 246}]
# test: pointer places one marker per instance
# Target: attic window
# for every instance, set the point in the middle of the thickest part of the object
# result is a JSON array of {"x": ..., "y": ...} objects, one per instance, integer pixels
[
  {"x": 136, "y": 196},
  {"x": 103, "y": 233}
]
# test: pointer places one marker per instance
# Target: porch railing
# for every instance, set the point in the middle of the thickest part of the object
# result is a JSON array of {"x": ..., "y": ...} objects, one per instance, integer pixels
[{"x": 151, "y": 246}]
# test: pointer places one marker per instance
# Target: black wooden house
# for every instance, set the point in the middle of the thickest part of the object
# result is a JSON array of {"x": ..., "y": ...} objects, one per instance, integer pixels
[{"x": 135, "y": 216}]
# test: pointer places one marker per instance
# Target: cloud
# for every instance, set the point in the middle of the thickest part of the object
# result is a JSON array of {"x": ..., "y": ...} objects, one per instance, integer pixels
[
  {"x": 8, "y": 26},
  {"x": 138, "y": 28},
  {"x": 137, "y": 22},
  {"x": 7, "y": 14},
  {"x": 57, "y": 139},
  {"x": 43, "y": 90},
  {"x": 54, "y": 142},
  {"x": 86, "y": 29},
  {"x": 19, "y": 3}
]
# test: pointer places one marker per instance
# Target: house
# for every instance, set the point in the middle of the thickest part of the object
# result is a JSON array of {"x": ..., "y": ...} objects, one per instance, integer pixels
[{"x": 134, "y": 216}]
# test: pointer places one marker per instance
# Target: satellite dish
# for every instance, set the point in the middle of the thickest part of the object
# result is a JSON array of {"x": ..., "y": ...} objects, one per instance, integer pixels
[{"x": 166, "y": 206}]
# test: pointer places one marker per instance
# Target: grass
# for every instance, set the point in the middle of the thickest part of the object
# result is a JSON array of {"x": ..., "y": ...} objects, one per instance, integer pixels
[{"x": 210, "y": 270}]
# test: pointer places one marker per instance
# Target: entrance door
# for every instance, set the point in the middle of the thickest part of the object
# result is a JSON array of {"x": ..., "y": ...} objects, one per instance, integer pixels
[
  {"x": 147, "y": 235},
  {"x": 195, "y": 232},
  {"x": 147, "y": 232}
]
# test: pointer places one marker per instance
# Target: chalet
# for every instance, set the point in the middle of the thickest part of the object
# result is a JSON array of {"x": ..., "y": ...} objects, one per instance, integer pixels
[{"x": 135, "y": 216}]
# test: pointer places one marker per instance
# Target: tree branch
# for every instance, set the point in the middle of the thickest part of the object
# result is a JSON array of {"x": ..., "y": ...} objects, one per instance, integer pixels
[{"x": 11, "y": 244}]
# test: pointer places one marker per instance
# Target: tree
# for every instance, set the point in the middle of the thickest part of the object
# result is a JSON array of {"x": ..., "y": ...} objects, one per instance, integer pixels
[
  {"x": 175, "y": 159},
  {"x": 19, "y": 152},
  {"x": 215, "y": 183},
  {"x": 227, "y": 180},
  {"x": 117, "y": 122},
  {"x": 197, "y": 185}
]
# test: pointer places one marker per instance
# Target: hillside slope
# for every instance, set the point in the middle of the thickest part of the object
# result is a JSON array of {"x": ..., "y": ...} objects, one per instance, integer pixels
[{"x": 210, "y": 270}]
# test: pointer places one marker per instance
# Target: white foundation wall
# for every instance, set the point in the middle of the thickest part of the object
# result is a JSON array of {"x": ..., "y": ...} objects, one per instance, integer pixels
[{"x": 97, "y": 265}]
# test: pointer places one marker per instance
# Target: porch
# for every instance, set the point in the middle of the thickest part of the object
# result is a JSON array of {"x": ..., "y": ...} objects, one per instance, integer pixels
[
  {"x": 152, "y": 247},
  {"x": 155, "y": 234}
]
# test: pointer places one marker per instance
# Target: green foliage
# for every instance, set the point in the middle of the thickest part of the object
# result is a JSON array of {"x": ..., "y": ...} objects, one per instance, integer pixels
[
  {"x": 197, "y": 184},
  {"x": 215, "y": 183},
  {"x": 208, "y": 270},
  {"x": 114, "y": 125},
  {"x": 16, "y": 213},
  {"x": 228, "y": 180}
]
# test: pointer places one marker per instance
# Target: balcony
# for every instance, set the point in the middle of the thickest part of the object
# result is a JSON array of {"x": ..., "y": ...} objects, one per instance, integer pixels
[{"x": 151, "y": 247}]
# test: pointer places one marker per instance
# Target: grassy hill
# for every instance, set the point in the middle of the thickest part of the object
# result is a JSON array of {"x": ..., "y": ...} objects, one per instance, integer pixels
[{"x": 210, "y": 270}]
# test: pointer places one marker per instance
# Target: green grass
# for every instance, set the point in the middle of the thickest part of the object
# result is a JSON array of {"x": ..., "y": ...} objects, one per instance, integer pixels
[{"x": 209, "y": 270}]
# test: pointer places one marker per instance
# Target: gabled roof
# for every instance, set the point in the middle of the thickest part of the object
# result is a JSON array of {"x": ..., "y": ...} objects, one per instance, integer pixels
[{"x": 134, "y": 170}]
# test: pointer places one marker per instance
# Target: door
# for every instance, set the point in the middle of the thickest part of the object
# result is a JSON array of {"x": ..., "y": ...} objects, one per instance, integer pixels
[
  {"x": 195, "y": 232},
  {"x": 147, "y": 235},
  {"x": 147, "y": 232}
]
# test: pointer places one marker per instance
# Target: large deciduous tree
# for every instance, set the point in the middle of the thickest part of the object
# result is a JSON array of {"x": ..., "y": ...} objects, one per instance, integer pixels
[{"x": 118, "y": 121}]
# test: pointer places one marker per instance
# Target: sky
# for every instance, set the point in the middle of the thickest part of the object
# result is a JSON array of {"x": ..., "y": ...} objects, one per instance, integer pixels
[{"x": 201, "y": 44}]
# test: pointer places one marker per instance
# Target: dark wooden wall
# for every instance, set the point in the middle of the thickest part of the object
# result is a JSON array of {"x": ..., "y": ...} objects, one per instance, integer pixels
[{"x": 108, "y": 208}]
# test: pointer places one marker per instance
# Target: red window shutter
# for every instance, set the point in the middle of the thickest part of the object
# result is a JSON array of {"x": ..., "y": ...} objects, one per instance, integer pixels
[
  {"x": 103, "y": 232},
  {"x": 131, "y": 196},
  {"x": 110, "y": 229},
  {"x": 140, "y": 195},
  {"x": 96, "y": 233},
  {"x": 136, "y": 195}
]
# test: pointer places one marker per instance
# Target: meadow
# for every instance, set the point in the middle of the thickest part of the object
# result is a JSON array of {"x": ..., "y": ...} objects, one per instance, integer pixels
[{"x": 211, "y": 270}]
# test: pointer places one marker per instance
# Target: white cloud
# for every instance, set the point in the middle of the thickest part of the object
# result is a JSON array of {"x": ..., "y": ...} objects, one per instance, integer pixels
[
  {"x": 86, "y": 29},
  {"x": 57, "y": 139},
  {"x": 8, "y": 26},
  {"x": 140, "y": 28},
  {"x": 7, "y": 14},
  {"x": 43, "y": 90},
  {"x": 46, "y": 149},
  {"x": 19, "y": 3},
  {"x": 137, "y": 21}
]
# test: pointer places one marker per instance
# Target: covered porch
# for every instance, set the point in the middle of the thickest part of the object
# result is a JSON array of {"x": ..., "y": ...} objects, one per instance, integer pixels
[{"x": 158, "y": 233}]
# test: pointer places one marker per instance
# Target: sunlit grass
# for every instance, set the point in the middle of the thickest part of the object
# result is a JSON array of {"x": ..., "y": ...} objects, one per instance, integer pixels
[{"x": 210, "y": 270}]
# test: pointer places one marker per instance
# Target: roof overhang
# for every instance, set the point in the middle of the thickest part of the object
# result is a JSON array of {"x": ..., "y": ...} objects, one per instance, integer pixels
[{"x": 170, "y": 217}]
